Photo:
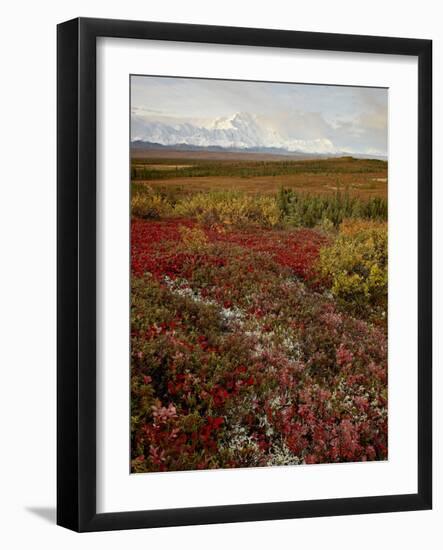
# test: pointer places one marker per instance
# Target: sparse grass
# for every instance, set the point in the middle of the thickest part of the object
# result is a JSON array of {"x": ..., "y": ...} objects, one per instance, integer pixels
[
  {"x": 146, "y": 169},
  {"x": 362, "y": 178}
]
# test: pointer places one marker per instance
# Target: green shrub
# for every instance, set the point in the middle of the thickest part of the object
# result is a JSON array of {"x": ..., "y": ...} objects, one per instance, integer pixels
[{"x": 303, "y": 210}]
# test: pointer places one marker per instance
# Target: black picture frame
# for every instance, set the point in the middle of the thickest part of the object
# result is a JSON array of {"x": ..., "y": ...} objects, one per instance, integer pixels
[{"x": 76, "y": 279}]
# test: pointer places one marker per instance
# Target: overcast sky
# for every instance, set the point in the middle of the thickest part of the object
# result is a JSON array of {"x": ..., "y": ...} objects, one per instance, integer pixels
[{"x": 308, "y": 118}]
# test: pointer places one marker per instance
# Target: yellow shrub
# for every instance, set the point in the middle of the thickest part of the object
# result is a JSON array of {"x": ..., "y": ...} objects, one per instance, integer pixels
[
  {"x": 230, "y": 208},
  {"x": 194, "y": 238},
  {"x": 148, "y": 204},
  {"x": 356, "y": 265}
]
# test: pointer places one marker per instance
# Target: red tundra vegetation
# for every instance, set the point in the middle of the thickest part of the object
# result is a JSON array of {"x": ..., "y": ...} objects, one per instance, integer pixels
[{"x": 256, "y": 344}]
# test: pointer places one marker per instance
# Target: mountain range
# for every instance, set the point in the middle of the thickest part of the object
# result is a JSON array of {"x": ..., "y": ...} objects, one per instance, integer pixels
[{"x": 241, "y": 132}]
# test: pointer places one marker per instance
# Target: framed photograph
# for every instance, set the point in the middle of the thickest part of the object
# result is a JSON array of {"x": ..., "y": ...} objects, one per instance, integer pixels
[{"x": 244, "y": 274}]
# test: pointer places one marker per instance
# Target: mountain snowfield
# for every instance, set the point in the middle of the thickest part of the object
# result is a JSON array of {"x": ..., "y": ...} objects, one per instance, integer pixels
[{"x": 239, "y": 131}]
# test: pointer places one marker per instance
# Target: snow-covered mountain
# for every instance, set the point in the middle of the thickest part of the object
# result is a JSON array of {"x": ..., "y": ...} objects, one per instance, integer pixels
[{"x": 239, "y": 131}]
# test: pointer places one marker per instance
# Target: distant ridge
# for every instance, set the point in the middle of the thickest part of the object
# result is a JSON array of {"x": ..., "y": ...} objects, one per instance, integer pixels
[{"x": 138, "y": 146}]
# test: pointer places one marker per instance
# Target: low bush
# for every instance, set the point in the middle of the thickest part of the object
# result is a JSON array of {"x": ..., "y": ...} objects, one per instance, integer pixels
[
  {"x": 235, "y": 364},
  {"x": 230, "y": 208},
  {"x": 148, "y": 204},
  {"x": 303, "y": 210},
  {"x": 194, "y": 239},
  {"x": 356, "y": 266}
]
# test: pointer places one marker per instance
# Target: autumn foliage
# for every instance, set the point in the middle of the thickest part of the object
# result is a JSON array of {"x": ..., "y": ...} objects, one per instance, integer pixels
[{"x": 256, "y": 343}]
